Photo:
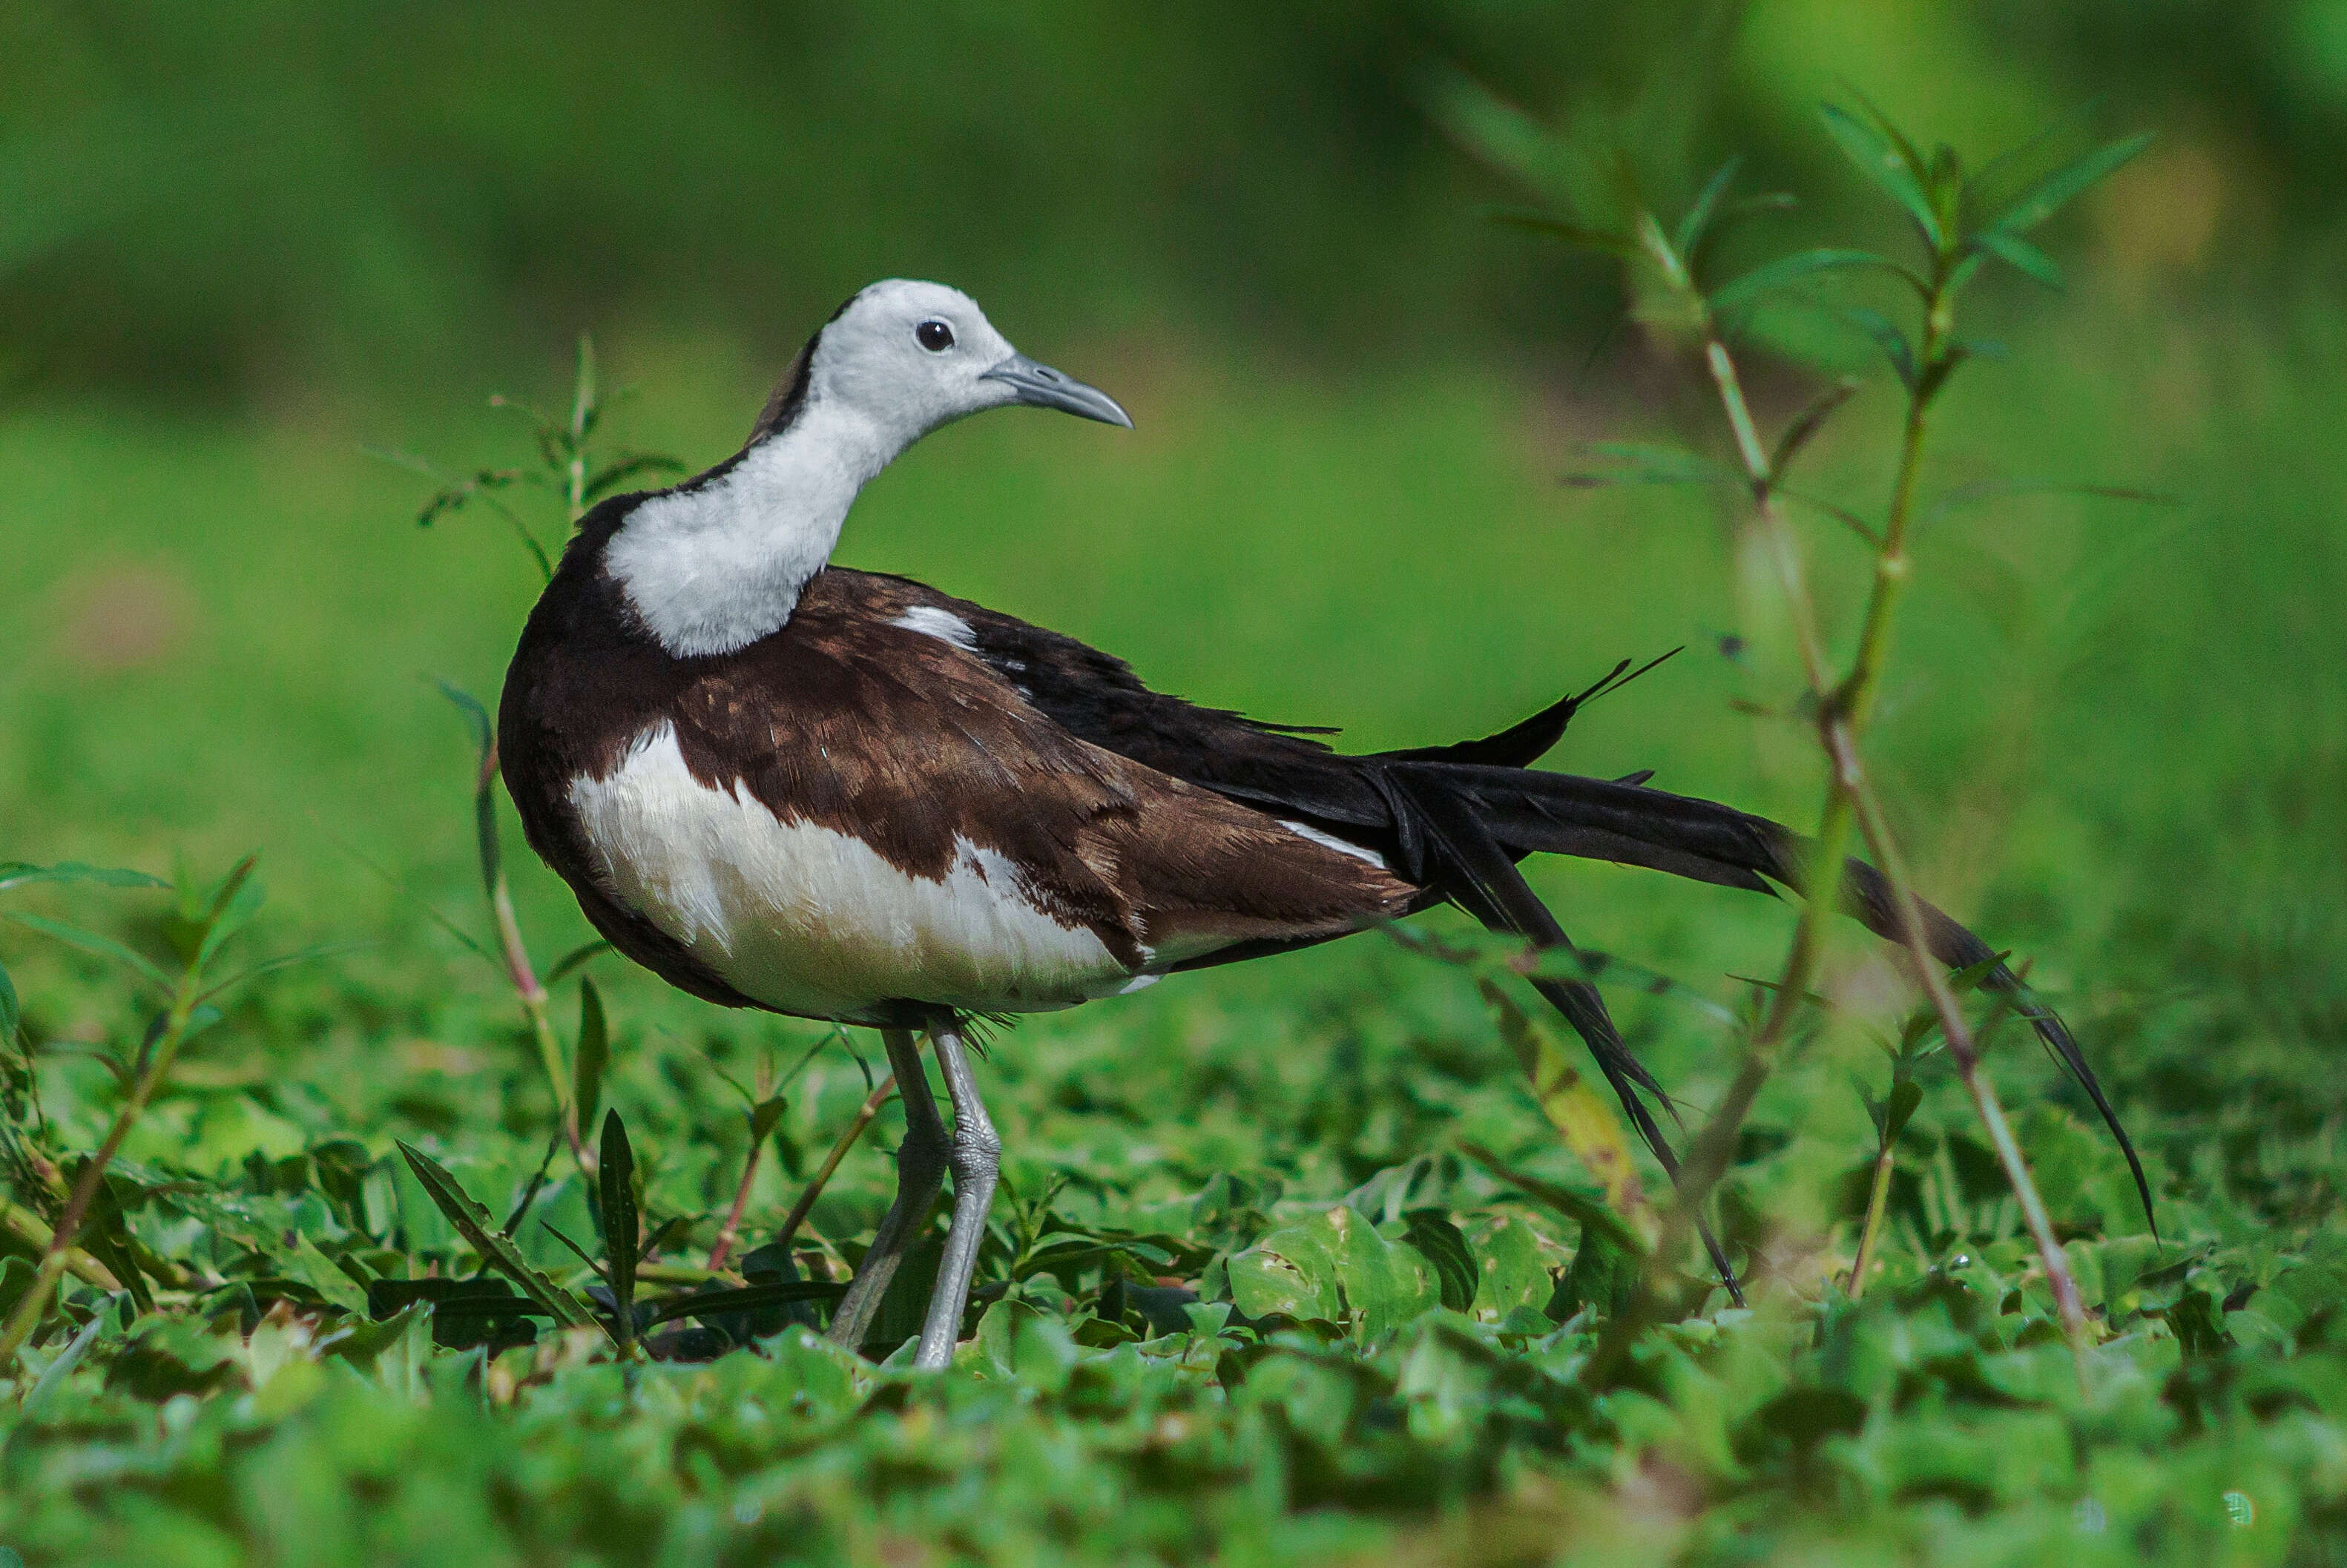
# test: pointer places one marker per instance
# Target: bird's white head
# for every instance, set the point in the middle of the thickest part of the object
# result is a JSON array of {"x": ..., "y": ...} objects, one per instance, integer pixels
[
  {"x": 718, "y": 561},
  {"x": 911, "y": 356}
]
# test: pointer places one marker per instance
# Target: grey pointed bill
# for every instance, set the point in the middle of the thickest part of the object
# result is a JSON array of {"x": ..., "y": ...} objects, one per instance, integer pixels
[{"x": 1040, "y": 386}]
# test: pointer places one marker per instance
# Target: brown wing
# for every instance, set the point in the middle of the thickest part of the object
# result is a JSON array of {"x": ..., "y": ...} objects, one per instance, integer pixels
[{"x": 918, "y": 746}]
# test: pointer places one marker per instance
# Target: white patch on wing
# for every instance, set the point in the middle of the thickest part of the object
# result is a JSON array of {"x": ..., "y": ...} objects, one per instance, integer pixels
[
  {"x": 814, "y": 921},
  {"x": 942, "y": 624},
  {"x": 1330, "y": 841}
]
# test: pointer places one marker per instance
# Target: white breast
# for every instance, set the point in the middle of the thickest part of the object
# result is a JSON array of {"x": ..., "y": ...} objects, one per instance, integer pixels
[{"x": 813, "y": 921}]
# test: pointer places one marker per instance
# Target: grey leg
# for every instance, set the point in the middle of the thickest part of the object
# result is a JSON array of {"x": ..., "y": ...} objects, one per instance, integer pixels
[
  {"x": 920, "y": 1171},
  {"x": 976, "y": 1157}
]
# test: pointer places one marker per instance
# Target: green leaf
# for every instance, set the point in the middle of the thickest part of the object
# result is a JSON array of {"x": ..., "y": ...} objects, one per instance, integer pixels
[
  {"x": 23, "y": 874},
  {"x": 1889, "y": 339},
  {"x": 2019, "y": 255},
  {"x": 1646, "y": 463},
  {"x": 53, "y": 1375},
  {"x": 1809, "y": 422},
  {"x": 763, "y": 1117},
  {"x": 104, "y": 947},
  {"x": 472, "y": 1222},
  {"x": 233, "y": 906},
  {"x": 1695, "y": 222},
  {"x": 748, "y": 1298},
  {"x": 615, "y": 1169},
  {"x": 1771, "y": 276},
  {"x": 1386, "y": 1285},
  {"x": 593, "y": 1055},
  {"x": 1974, "y": 494},
  {"x": 1905, "y": 1096},
  {"x": 281, "y": 962},
  {"x": 485, "y": 800},
  {"x": 313, "y": 1268},
  {"x": 576, "y": 959},
  {"x": 11, "y": 1012},
  {"x": 1581, "y": 1116},
  {"x": 1433, "y": 1234},
  {"x": 1886, "y": 158},
  {"x": 1574, "y": 234},
  {"x": 1290, "y": 1273},
  {"x": 2057, "y": 189}
]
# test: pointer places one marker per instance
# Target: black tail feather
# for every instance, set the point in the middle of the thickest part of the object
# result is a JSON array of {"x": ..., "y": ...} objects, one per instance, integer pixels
[
  {"x": 1529, "y": 811},
  {"x": 1469, "y": 866},
  {"x": 1524, "y": 743}
]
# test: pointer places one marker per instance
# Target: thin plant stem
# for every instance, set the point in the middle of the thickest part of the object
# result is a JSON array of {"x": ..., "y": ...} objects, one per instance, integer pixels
[
  {"x": 1843, "y": 709},
  {"x": 1877, "y": 1200},
  {"x": 59, "y": 1258},
  {"x": 523, "y": 977},
  {"x": 1965, "y": 1049},
  {"x": 846, "y": 1141},
  {"x": 29, "y": 1229},
  {"x": 730, "y": 1231}
]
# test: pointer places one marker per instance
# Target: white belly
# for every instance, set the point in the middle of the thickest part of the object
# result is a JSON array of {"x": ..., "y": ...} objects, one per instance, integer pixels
[{"x": 813, "y": 921}]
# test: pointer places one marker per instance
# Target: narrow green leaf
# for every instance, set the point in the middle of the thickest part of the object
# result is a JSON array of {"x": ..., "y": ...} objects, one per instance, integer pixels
[
  {"x": 576, "y": 958},
  {"x": 1906, "y": 1094},
  {"x": 1771, "y": 276},
  {"x": 104, "y": 947},
  {"x": 1492, "y": 129},
  {"x": 2019, "y": 255},
  {"x": 53, "y": 1376},
  {"x": 1574, "y": 234},
  {"x": 485, "y": 800},
  {"x": 281, "y": 962},
  {"x": 616, "y": 1171},
  {"x": 313, "y": 1268},
  {"x": 1973, "y": 494},
  {"x": 1695, "y": 222},
  {"x": 1809, "y": 422},
  {"x": 1888, "y": 338},
  {"x": 1645, "y": 463},
  {"x": 749, "y": 1298},
  {"x": 22, "y": 874},
  {"x": 613, "y": 475},
  {"x": 11, "y": 1012},
  {"x": 593, "y": 1055},
  {"x": 1883, "y": 156},
  {"x": 472, "y": 1222},
  {"x": 234, "y": 903},
  {"x": 763, "y": 1117},
  {"x": 2057, "y": 189}
]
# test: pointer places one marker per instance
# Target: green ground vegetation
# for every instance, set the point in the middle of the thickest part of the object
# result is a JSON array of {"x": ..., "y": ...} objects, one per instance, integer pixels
[{"x": 2113, "y": 735}]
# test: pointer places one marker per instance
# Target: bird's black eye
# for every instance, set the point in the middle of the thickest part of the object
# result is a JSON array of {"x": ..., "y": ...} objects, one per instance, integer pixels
[{"x": 935, "y": 336}]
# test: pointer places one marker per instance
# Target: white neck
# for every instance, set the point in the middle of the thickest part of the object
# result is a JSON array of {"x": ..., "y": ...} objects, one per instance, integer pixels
[{"x": 714, "y": 566}]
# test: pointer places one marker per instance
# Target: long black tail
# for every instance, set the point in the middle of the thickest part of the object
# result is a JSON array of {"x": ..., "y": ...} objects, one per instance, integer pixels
[{"x": 1463, "y": 826}]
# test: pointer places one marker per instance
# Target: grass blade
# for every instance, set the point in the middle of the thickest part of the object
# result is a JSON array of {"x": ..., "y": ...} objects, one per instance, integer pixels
[
  {"x": 615, "y": 1169},
  {"x": 576, "y": 958},
  {"x": 107, "y": 948},
  {"x": 472, "y": 1222},
  {"x": 2020, "y": 255},
  {"x": 2057, "y": 189},
  {"x": 594, "y": 1053},
  {"x": 23, "y": 874},
  {"x": 748, "y": 1298},
  {"x": 1887, "y": 159},
  {"x": 1771, "y": 276},
  {"x": 1696, "y": 220}
]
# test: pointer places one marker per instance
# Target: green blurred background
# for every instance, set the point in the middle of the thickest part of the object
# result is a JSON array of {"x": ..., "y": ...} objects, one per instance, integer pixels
[{"x": 240, "y": 244}]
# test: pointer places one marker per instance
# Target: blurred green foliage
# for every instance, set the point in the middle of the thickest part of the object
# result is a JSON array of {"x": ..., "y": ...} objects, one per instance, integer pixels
[
  {"x": 270, "y": 192},
  {"x": 238, "y": 245}
]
